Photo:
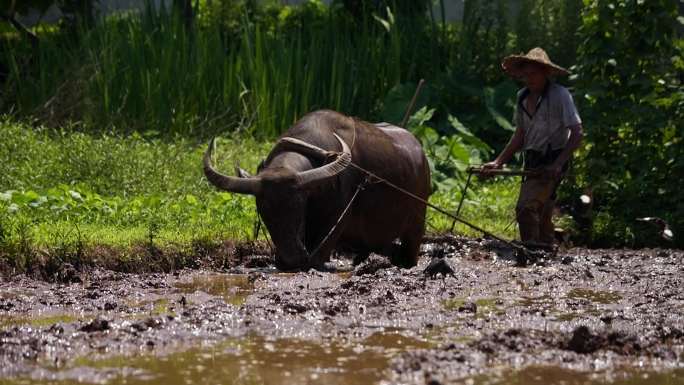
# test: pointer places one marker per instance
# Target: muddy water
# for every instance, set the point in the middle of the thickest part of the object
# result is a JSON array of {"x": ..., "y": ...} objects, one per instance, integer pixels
[
  {"x": 233, "y": 288},
  {"x": 605, "y": 317},
  {"x": 542, "y": 375},
  {"x": 254, "y": 360},
  {"x": 251, "y": 360}
]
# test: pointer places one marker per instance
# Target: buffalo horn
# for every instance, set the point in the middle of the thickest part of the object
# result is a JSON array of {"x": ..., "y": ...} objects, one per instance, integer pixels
[
  {"x": 250, "y": 186},
  {"x": 293, "y": 144},
  {"x": 320, "y": 174}
]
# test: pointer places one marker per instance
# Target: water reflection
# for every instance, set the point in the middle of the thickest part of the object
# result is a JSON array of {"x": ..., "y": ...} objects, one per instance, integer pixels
[
  {"x": 253, "y": 360},
  {"x": 234, "y": 288}
]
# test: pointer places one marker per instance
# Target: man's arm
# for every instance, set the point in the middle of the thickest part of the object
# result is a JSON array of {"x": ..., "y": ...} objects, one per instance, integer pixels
[
  {"x": 514, "y": 145},
  {"x": 576, "y": 135}
]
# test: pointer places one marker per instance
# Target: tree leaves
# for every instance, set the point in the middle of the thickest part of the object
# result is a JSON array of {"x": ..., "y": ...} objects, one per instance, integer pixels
[
  {"x": 629, "y": 60},
  {"x": 397, "y": 99},
  {"x": 495, "y": 99},
  {"x": 448, "y": 155}
]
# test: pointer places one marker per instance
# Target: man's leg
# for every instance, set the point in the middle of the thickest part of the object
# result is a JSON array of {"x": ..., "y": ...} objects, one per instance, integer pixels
[
  {"x": 534, "y": 194},
  {"x": 546, "y": 227}
]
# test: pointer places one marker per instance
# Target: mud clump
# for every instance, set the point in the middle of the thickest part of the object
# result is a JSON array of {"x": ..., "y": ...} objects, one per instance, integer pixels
[
  {"x": 468, "y": 307},
  {"x": 96, "y": 325},
  {"x": 67, "y": 273},
  {"x": 372, "y": 265},
  {"x": 583, "y": 341},
  {"x": 295, "y": 308},
  {"x": 439, "y": 266},
  {"x": 259, "y": 261}
]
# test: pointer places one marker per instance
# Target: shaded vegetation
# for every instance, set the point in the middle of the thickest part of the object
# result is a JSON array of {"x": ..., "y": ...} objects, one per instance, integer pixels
[
  {"x": 633, "y": 102},
  {"x": 254, "y": 68}
]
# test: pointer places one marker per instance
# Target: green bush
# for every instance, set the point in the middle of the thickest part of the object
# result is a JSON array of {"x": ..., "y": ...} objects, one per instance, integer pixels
[
  {"x": 632, "y": 99},
  {"x": 449, "y": 156}
]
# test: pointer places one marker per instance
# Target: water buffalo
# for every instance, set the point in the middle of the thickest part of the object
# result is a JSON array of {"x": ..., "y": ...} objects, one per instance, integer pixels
[{"x": 300, "y": 193}]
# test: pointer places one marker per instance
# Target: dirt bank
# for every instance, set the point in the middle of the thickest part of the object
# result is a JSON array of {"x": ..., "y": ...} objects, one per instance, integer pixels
[{"x": 583, "y": 317}]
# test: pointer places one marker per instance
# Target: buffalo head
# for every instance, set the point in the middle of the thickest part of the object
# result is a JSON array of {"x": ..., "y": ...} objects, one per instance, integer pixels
[{"x": 281, "y": 188}]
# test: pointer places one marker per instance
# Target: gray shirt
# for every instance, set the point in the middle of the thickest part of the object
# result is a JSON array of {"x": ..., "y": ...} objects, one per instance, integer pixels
[{"x": 549, "y": 126}]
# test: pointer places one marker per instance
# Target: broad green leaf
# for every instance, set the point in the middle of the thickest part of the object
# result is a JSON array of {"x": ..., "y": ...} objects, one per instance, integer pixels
[
  {"x": 420, "y": 117},
  {"x": 385, "y": 23},
  {"x": 467, "y": 135},
  {"x": 38, "y": 202},
  {"x": 426, "y": 134},
  {"x": 397, "y": 100},
  {"x": 491, "y": 97},
  {"x": 25, "y": 198}
]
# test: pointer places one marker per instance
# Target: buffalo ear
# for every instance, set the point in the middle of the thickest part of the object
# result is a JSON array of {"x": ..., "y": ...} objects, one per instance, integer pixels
[{"x": 240, "y": 172}]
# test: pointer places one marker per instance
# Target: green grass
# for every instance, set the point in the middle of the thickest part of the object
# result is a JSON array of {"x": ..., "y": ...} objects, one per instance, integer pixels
[
  {"x": 63, "y": 186},
  {"x": 63, "y": 191},
  {"x": 489, "y": 205}
]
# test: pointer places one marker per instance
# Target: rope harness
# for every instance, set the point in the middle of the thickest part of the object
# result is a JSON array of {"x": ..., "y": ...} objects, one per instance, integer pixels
[
  {"x": 360, "y": 187},
  {"x": 437, "y": 208}
]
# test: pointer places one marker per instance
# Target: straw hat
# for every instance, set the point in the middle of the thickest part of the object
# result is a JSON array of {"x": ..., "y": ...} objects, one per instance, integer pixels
[{"x": 513, "y": 64}]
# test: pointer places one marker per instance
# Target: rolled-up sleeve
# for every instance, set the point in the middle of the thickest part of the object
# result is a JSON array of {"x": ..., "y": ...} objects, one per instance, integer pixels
[
  {"x": 569, "y": 115},
  {"x": 517, "y": 114}
]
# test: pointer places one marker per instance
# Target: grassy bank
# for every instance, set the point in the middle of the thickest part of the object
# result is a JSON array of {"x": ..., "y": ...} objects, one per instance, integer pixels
[{"x": 72, "y": 197}]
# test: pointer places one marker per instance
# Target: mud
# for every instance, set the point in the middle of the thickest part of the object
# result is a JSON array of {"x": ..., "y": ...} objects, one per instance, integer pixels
[{"x": 580, "y": 317}]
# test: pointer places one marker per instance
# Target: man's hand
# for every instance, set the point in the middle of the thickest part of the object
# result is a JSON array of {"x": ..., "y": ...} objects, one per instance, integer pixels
[{"x": 488, "y": 167}]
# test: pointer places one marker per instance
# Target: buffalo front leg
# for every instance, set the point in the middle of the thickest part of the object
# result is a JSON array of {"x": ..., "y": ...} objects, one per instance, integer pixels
[{"x": 322, "y": 240}]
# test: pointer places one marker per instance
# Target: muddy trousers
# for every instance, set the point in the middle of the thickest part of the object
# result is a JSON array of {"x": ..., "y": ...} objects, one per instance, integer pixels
[{"x": 534, "y": 210}]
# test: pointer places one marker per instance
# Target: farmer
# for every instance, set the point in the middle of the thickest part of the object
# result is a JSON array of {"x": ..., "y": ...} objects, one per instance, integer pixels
[{"x": 548, "y": 130}]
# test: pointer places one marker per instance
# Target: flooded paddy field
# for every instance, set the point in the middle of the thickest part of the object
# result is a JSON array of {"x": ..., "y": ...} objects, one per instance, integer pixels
[{"x": 581, "y": 317}]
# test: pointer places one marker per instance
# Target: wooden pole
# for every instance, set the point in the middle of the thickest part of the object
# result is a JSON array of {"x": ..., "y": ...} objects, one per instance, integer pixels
[{"x": 407, "y": 114}]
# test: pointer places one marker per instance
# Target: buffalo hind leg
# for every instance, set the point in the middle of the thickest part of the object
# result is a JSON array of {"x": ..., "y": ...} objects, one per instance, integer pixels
[
  {"x": 410, "y": 241},
  {"x": 407, "y": 256}
]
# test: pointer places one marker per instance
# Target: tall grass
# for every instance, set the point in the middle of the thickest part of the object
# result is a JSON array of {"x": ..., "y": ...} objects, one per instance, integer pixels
[
  {"x": 259, "y": 70},
  {"x": 148, "y": 72}
]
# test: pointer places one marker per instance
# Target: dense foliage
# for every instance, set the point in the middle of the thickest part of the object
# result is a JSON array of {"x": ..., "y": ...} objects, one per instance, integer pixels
[
  {"x": 631, "y": 83},
  {"x": 260, "y": 67}
]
